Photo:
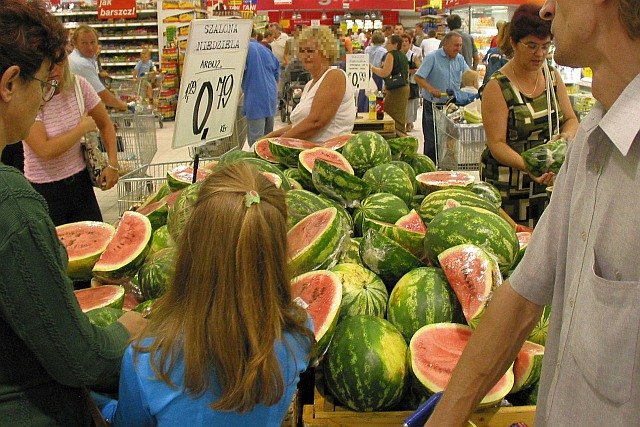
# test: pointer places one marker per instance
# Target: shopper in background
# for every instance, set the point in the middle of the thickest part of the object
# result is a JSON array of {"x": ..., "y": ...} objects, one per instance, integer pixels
[
  {"x": 377, "y": 52},
  {"x": 440, "y": 72},
  {"x": 50, "y": 351},
  {"x": 395, "y": 63},
  {"x": 144, "y": 66},
  {"x": 429, "y": 44},
  {"x": 498, "y": 56},
  {"x": 227, "y": 344},
  {"x": 279, "y": 42},
  {"x": 516, "y": 116},
  {"x": 291, "y": 47},
  {"x": 83, "y": 63},
  {"x": 415, "y": 61},
  {"x": 577, "y": 261},
  {"x": 469, "y": 50},
  {"x": 260, "y": 88},
  {"x": 418, "y": 34},
  {"x": 494, "y": 40},
  {"x": 54, "y": 162},
  {"x": 398, "y": 29},
  {"x": 387, "y": 30},
  {"x": 327, "y": 106},
  {"x": 267, "y": 39}
]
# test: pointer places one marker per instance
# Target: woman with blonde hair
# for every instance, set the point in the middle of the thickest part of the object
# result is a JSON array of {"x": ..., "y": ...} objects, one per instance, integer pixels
[
  {"x": 327, "y": 107},
  {"x": 226, "y": 344}
]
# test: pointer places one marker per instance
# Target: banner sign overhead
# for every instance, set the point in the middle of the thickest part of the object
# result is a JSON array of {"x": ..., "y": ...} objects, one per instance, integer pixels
[{"x": 117, "y": 9}]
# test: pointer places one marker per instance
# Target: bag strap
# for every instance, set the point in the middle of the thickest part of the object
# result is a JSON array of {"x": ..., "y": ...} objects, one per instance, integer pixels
[
  {"x": 79, "y": 97},
  {"x": 551, "y": 94}
]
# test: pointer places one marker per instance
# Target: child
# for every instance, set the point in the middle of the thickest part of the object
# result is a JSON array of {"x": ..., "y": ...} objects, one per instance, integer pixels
[
  {"x": 145, "y": 66},
  {"x": 225, "y": 345},
  {"x": 470, "y": 81}
]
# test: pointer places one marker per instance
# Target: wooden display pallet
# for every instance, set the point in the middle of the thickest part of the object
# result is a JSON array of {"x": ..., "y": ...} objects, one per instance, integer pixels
[
  {"x": 325, "y": 412},
  {"x": 385, "y": 127}
]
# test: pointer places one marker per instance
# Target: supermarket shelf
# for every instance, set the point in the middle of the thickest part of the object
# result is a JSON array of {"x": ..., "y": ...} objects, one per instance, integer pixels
[
  {"x": 133, "y": 24},
  {"x": 145, "y": 37},
  {"x": 128, "y": 50},
  {"x": 93, "y": 12},
  {"x": 119, "y": 64}
]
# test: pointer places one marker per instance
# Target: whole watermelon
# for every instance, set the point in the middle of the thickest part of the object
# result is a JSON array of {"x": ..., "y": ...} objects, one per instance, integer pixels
[
  {"x": 434, "y": 202},
  {"x": 154, "y": 277},
  {"x": 104, "y": 316},
  {"x": 366, "y": 365},
  {"x": 181, "y": 209},
  {"x": 362, "y": 291},
  {"x": 380, "y": 206},
  {"x": 161, "y": 239},
  {"x": 389, "y": 178},
  {"x": 366, "y": 150}
]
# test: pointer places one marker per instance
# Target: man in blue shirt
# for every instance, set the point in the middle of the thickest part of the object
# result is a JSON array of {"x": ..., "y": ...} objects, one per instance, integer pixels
[
  {"x": 260, "y": 87},
  {"x": 441, "y": 71}
]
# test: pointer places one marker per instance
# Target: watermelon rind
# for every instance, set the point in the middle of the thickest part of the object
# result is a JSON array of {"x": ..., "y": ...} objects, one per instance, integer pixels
[
  {"x": 409, "y": 171},
  {"x": 264, "y": 166},
  {"x": 180, "y": 211},
  {"x": 379, "y": 206},
  {"x": 301, "y": 203},
  {"x": 286, "y": 150},
  {"x": 307, "y": 158},
  {"x": 131, "y": 257},
  {"x": 438, "y": 180},
  {"x": 421, "y": 297},
  {"x": 145, "y": 308},
  {"x": 366, "y": 367},
  {"x": 104, "y": 316},
  {"x": 235, "y": 155},
  {"x": 488, "y": 192},
  {"x": 366, "y": 150},
  {"x": 161, "y": 239},
  {"x": 182, "y": 176},
  {"x": 420, "y": 163},
  {"x": 389, "y": 178},
  {"x": 110, "y": 296},
  {"x": 351, "y": 253},
  {"x": 338, "y": 185},
  {"x": 161, "y": 193},
  {"x": 156, "y": 212},
  {"x": 539, "y": 333},
  {"x": 410, "y": 240},
  {"x": 527, "y": 366},
  {"x": 434, "y": 202},
  {"x": 98, "y": 234},
  {"x": 262, "y": 150},
  {"x": 363, "y": 292}
]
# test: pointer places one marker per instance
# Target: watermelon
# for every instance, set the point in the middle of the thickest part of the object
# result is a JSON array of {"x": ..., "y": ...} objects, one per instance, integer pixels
[
  {"x": 100, "y": 296},
  {"x": 181, "y": 209},
  {"x": 352, "y": 252},
  {"x": 104, "y": 316},
  {"x": 161, "y": 193},
  {"x": 388, "y": 178},
  {"x": 539, "y": 333},
  {"x": 527, "y": 366},
  {"x": 286, "y": 150},
  {"x": 347, "y": 221},
  {"x": 380, "y": 206},
  {"x": 410, "y": 240},
  {"x": 273, "y": 178},
  {"x": 525, "y": 397},
  {"x": 488, "y": 192},
  {"x": 366, "y": 365},
  {"x": 127, "y": 249},
  {"x": 84, "y": 241},
  {"x": 477, "y": 226},
  {"x": 156, "y": 212},
  {"x": 182, "y": 176},
  {"x": 234, "y": 155},
  {"x": 409, "y": 171},
  {"x": 262, "y": 150},
  {"x": 161, "y": 239},
  {"x": 145, "y": 308},
  {"x": 523, "y": 242},
  {"x": 155, "y": 275},
  {"x": 337, "y": 142},
  {"x": 336, "y": 184},
  {"x": 264, "y": 166},
  {"x": 301, "y": 203},
  {"x": 545, "y": 157},
  {"x": 473, "y": 275},
  {"x": 366, "y": 150},
  {"x": 420, "y": 163},
  {"x": 421, "y": 297},
  {"x": 433, "y": 203},
  {"x": 412, "y": 222},
  {"x": 403, "y": 146},
  {"x": 315, "y": 242},
  {"x": 434, "y": 353},
  {"x": 307, "y": 158},
  {"x": 386, "y": 258},
  {"x": 433, "y": 181},
  {"x": 319, "y": 293},
  {"x": 362, "y": 291}
]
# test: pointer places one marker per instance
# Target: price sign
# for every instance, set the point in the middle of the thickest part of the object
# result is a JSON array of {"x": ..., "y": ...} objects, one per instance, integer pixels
[
  {"x": 358, "y": 70},
  {"x": 210, "y": 86}
]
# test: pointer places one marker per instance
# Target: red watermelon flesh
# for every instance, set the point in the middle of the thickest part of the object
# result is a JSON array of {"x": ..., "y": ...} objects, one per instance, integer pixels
[
  {"x": 527, "y": 366},
  {"x": 293, "y": 142},
  {"x": 101, "y": 296},
  {"x": 523, "y": 238},
  {"x": 262, "y": 150},
  {"x": 273, "y": 178},
  {"x": 86, "y": 238},
  {"x": 432, "y": 181},
  {"x": 412, "y": 222},
  {"x": 308, "y": 158},
  {"x": 171, "y": 198},
  {"x": 435, "y": 352},
  {"x": 185, "y": 174},
  {"x": 337, "y": 142},
  {"x": 145, "y": 210},
  {"x": 307, "y": 230}
]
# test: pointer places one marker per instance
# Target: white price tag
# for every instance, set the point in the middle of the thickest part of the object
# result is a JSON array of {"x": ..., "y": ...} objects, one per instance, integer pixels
[
  {"x": 211, "y": 77},
  {"x": 358, "y": 70}
]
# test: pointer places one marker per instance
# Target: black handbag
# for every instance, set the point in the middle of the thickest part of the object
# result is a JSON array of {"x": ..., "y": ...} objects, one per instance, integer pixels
[
  {"x": 414, "y": 91},
  {"x": 394, "y": 82}
]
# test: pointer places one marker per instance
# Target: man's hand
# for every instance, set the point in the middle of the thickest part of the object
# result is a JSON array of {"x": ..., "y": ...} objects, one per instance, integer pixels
[{"x": 435, "y": 92}]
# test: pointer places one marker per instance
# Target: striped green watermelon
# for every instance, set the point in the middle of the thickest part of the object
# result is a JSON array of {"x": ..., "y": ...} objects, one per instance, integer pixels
[
  {"x": 337, "y": 142},
  {"x": 84, "y": 241},
  {"x": 286, "y": 150},
  {"x": 409, "y": 171},
  {"x": 527, "y": 366},
  {"x": 162, "y": 192},
  {"x": 156, "y": 212},
  {"x": 155, "y": 275},
  {"x": 473, "y": 275},
  {"x": 161, "y": 239},
  {"x": 421, "y": 297},
  {"x": 352, "y": 252},
  {"x": 420, "y": 163},
  {"x": 145, "y": 308},
  {"x": 262, "y": 150},
  {"x": 410, "y": 240},
  {"x": 366, "y": 150},
  {"x": 264, "y": 166},
  {"x": 539, "y": 333},
  {"x": 307, "y": 158},
  {"x": 301, "y": 203},
  {"x": 433, "y": 203},
  {"x": 386, "y": 258},
  {"x": 433, "y": 181},
  {"x": 315, "y": 242},
  {"x": 101, "y": 296},
  {"x": 365, "y": 367},
  {"x": 104, "y": 316},
  {"x": 347, "y": 221},
  {"x": 336, "y": 184},
  {"x": 403, "y": 146},
  {"x": 319, "y": 293},
  {"x": 234, "y": 156},
  {"x": 434, "y": 353},
  {"x": 379, "y": 206},
  {"x": 182, "y": 176},
  {"x": 388, "y": 178},
  {"x": 181, "y": 209},
  {"x": 477, "y": 226},
  {"x": 362, "y": 291},
  {"x": 487, "y": 192}
]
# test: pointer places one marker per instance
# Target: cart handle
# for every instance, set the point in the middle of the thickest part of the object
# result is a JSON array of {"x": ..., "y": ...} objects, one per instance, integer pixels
[{"x": 422, "y": 414}]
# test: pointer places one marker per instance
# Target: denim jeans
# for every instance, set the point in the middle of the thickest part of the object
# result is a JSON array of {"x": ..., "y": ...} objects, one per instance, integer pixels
[{"x": 257, "y": 128}]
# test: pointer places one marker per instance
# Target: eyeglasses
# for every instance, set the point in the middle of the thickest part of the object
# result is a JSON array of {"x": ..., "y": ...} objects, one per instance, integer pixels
[
  {"x": 48, "y": 88},
  {"x": 307, "y": 50},
  {"x": 534, "y": 47}
]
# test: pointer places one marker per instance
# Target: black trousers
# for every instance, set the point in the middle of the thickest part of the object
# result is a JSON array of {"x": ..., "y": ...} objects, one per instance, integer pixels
[
  {"x": 71, "y": 199},
  {"x": 427, "y": 130}
]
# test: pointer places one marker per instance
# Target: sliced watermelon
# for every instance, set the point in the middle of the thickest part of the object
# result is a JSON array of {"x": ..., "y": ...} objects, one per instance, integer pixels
[
  {"x": 307, "y": 158},
  {"x": 100, "y": 296},
  {"x": 319, "y": 293},
  {"x": 412, "y": 222},
  {"x": 262, "y": 150},
  {"x": 337, "y": 142},
  {"x": 84, "y": 241},
  {"x": 273, "y": 178},
  {"x": 433, "y": 181},
  {"x": 127, "y": 249},
  {"x": 435, "y": 350},
  {"x": 410, "y": 240},
  {"x": 104, "y": 316},
  {"x": 181, "y": 176},
  {"x": 523, "y": 242},
  {"x": 286, "y": 150},
  {"x": 156, "y": 212},
  {"x": 527, "y": 366}
]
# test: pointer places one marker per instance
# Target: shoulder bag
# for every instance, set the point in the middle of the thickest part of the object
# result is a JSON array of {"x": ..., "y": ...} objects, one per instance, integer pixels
[
  {"x": 93, "y": 156},
  {"x": 394, "y": 81}
]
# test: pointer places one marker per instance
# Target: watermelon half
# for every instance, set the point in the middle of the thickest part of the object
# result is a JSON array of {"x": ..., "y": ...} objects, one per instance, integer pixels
[
  {"x": 307, "y": 158},
  {"x": 433, "y": 181},
  {"x": 104, "y": 316},
  {"x": 434, "y": 353},
  {"x": 286, "y": 150},
  {"x": 100, "y": 296},
  {"x": 84, "y": 241},
  {"x": 319, "y": 293},
  {"x": 262, "y": 150},
  {"x": 181, "y": 176},
  {"x": 127, "y": 249},
  {"x": 527, "y": 366},
  {"x": 337, "y": 142}
]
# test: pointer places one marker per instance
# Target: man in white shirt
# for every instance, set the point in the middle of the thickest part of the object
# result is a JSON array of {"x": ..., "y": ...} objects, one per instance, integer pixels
[
  {"x": 430, "y": 44},
  {"x": 279, "y": 42}
]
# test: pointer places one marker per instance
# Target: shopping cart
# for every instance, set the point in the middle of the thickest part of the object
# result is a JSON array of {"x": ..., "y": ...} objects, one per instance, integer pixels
[
  {"x": 135, "y": 139},
  {"x": 143, "y": 94},
  {"x": 459, "y": 145}
]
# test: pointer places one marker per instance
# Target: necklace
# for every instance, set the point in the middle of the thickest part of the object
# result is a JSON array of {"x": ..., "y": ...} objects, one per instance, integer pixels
[{"x": 522, "y": 87}]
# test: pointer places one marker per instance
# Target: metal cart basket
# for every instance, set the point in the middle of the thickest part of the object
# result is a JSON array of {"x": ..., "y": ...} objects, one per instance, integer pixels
[
  {"x": 458, "y": 145},
  {"x": 135, "y": 138}
]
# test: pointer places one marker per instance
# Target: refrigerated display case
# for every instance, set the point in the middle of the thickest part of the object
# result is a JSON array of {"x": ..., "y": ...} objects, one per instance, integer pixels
[{"x": 480, "y": 20}]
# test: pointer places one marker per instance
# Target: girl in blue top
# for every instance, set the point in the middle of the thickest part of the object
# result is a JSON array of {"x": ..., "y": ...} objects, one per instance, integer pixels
[{"x": 226, "y": 344}]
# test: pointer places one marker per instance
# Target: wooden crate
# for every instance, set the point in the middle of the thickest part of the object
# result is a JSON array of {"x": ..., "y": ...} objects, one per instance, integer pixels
[
  {"x": 385, "y": 127},
  {"x": 325, "y": 412}
]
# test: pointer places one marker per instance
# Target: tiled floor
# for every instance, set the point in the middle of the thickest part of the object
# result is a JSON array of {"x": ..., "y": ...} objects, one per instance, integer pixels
[{"x": 108, "y": 200}]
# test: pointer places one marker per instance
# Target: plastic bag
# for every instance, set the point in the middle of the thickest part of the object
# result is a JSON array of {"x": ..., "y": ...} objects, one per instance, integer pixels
[{"x": 545, "y": 158}]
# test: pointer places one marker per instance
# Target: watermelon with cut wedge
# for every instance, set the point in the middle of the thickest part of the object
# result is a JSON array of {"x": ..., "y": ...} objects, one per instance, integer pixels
[
  {"x": 181, "y": 176},
  {"x": 84, "y": 241},
  {"x": 307, "y": 158},
  {"x": 286, "y": 150},
  {"x": 523, "y": 242},
  {"x": 527, "y": 366},
  {"x": 262, "y": 150},
  {"x": 156, "y": 212},
  {"x": 100, "y": 296},
  {"x": 337, "y": 142},
  {"x": 433, "y": 181}
]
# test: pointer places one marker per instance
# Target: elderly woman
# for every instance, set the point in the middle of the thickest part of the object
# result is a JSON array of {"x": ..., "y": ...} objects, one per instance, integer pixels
[
  {"x": 415, "y": 60},
  {"x": 376, "y": 52},
  {"x": 327, "y": 106},
  {"x": 517, "y": 117},
  {"x": 395, "y": 99}
]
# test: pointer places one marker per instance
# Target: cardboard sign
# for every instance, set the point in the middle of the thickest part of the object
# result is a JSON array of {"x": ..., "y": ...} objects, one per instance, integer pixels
[
  {"x": 358, "y": 70},
  {"x": 210, "y": 85},
  {"x": 117, "y": 9}
]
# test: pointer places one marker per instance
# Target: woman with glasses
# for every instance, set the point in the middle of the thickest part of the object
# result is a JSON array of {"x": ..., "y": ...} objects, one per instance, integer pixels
[
  {"x": 524, "y": 104},
  {"x": 54, "y": 162}
]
